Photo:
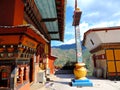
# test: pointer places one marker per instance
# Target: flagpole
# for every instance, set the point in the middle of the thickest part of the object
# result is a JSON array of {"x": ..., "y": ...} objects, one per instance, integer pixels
[{"x": 80, "y": 71}]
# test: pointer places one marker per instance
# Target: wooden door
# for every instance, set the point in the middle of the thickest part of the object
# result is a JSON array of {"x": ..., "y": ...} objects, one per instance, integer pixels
[{"x": 113, "y": 62}]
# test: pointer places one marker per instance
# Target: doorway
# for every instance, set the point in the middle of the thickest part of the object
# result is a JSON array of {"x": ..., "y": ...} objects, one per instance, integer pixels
[
  {"x": 4, "y": 78},
  {"x": 31, "y": 73}
]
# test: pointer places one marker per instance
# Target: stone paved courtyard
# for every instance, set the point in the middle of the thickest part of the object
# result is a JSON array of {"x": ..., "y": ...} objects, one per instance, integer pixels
[{"x": 62, "y": 82}]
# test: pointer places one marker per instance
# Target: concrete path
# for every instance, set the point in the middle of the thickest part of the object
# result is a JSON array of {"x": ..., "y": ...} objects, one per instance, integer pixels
[{"x": 62, "y": 82}]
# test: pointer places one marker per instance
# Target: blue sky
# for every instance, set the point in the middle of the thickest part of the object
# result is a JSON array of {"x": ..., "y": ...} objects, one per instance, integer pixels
[{"x": 95, "y": 13}]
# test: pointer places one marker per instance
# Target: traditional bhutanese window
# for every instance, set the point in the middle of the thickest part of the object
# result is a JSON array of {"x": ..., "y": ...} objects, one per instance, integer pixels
[
  {"x": 92, "y": 41},
  {"x": 4, "y": 74}
]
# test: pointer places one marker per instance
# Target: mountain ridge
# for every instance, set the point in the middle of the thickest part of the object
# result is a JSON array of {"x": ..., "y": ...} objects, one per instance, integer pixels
[
  {"x": 66, "y": 56},
  {"x": 68, "y": 46}
]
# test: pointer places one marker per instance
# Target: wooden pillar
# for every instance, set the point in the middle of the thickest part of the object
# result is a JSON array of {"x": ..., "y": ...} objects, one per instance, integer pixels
[
  {"x": 21, "y": 74},
  {"x": 94, "y": 60},
  {"x": 26, "y": 73},
  {"x": 37, "y": 58}
]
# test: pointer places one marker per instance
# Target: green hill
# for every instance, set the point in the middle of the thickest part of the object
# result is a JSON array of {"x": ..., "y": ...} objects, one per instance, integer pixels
[{"x": 67, "y": 58}]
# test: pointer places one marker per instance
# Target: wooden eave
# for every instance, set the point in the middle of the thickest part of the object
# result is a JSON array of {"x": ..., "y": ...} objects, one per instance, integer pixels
[
  {"x": 33, "y": 17},
  {"x": 105, "y": 46},
  {"x": 60, "y": 7},
  {"x": 27, "y": 30}
]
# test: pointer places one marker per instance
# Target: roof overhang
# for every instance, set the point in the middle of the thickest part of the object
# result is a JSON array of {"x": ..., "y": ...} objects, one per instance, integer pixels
[
  {"x": 97, "y": 36},
  {"x": 53, "y": 15}
]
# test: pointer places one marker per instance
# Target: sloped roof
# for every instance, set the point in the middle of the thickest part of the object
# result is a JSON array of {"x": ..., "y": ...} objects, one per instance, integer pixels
[
  {"x": 48, "y": 16},
  {"x": 97, "y": 36},
  {"x": 53, "y": 15}
]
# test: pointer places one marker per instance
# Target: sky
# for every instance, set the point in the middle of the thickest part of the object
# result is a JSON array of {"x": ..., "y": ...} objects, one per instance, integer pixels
[{"x": 95, "y": 14}]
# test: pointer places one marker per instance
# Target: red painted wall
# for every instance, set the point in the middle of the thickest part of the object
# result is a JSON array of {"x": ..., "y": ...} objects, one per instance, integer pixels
[
  {"x": 18, "y": 12},
  {"x": 51, "y": 64},
  {"x": 12, "y": 12}
]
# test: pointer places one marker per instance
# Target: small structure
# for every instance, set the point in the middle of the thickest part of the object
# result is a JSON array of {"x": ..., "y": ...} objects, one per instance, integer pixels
[
  {"x": 104, "y": 45},
  {"x": 51, "y": 64}
]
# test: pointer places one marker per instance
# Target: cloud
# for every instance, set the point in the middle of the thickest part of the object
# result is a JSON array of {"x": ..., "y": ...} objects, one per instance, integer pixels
[
  {"x": 71, "y": 41},
  {"x": 69, "y": 29},
  {"x": 81, "y": 3},
  {"x": 95, "y": 14},
  {"x": 94, "y": 11},
  {"x": 117, "y": 14},
  {"x": 58, "y": 43},
  {"x": 84, "y": 26}
]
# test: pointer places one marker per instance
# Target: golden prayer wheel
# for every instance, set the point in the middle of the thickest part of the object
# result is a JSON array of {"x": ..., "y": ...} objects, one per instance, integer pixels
[{"x": 80, "y": 71}]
